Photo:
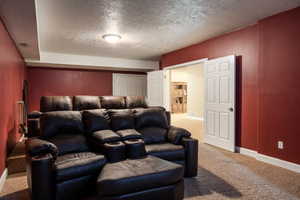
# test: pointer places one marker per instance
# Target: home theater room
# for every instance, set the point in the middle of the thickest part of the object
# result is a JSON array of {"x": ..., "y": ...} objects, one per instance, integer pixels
[{"x": 149, "y": 99}]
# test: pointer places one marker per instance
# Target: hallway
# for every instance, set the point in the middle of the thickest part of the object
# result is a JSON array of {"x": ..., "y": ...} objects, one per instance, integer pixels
[{"x": 194, "y": 125}]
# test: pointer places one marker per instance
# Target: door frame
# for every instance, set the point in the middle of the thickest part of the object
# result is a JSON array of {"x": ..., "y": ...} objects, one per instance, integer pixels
[
  {"x": 167, "y": 79},
  {"x": 167, "y": 88}
]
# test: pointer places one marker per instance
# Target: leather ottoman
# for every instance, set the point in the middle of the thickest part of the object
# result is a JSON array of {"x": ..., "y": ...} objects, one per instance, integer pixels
[{"x": 148, "y": 178}]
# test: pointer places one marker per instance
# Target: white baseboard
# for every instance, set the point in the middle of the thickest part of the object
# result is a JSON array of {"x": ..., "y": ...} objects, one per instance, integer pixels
[
  {"x": 278, "y": 162},
  {"x": 268, "y": 159},
  {"x": 247, "y": 152},
  {"x": 3, "y": 179},
  {"x": 192, "y": 116}
]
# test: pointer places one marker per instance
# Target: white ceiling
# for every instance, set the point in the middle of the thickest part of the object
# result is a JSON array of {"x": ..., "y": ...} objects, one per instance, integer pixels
[{"x": 149, "y": 28}]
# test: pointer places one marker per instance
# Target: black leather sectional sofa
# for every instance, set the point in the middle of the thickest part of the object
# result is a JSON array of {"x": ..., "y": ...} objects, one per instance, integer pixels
[{"x": 115, "y": 146}]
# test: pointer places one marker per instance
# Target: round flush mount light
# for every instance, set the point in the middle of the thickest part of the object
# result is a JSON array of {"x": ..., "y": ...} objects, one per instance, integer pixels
[{"x": 111, "y": 38}]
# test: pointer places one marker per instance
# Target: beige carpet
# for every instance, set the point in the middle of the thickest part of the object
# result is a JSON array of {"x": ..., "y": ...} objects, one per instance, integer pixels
[{"x": 195, "y": 126}]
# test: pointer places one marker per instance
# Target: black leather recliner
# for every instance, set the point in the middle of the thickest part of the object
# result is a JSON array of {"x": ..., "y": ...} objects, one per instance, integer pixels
[{"x": 63, "y": 162}]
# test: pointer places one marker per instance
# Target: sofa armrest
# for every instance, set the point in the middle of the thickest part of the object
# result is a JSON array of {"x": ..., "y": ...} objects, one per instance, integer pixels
[
  {"x": 176, "y": 134},
  {"x": 40, "y": 176},
  {"x": 191, "y": 156},
  {"x": 97, "y": 139},
  {"x": 38, "y": 147},
  {"x": 105, "y": 136},
  {"x": 33, "y": 127},
  {"x": 34, "y": 115}
]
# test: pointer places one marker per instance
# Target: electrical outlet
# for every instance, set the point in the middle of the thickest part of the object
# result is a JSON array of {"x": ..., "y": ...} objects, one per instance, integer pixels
[{"x": 280, "y": 145}]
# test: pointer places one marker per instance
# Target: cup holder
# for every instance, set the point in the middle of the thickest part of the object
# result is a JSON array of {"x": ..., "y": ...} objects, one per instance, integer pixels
[
  {"x": 115, "y": 151},
  {"x": 114, "y": 143},
  {"x": 135, "y": 148}
]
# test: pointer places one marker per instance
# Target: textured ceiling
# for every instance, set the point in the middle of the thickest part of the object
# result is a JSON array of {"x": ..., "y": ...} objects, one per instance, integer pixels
[{"x": 149, "y": 28}]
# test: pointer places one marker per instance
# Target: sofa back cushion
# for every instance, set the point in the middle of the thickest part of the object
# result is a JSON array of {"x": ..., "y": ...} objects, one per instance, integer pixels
[
  {"x": 150, "y": 117},
  {"x": 121, "y": 119},
  {"x": 136, "y": 102},
  {"x": 95, "y": 120},
  {"x": 61, "y": 122},
  {"x": 112, "y": 102},
  {"x": 153, "y": 135},
  {"x": 55, "y": 103},
  {"x": 70, "y": 143},
  {"x": 86, "y": 102}
]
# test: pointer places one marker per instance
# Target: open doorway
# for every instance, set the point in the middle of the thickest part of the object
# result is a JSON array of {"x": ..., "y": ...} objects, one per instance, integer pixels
[
  {"x": 186, "y": 97},
  {"x": 218, "y": 109}
]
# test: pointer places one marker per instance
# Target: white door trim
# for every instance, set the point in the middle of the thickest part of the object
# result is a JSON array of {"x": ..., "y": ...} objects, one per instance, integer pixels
[
  {"x": 186, "y": 64},
  {"x": 167, "y": 85}
]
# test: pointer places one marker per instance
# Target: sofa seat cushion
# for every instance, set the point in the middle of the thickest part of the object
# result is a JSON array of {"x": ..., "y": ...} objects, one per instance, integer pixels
[
  {"x": 167, "y": 151},
  {"x": 137, "y": 175},
  {"x": 70, "y": 143},
  {"x": 128, "y": 134},
  {"x": 75, "y": 165},
  {"x": 153, "y": 135}
]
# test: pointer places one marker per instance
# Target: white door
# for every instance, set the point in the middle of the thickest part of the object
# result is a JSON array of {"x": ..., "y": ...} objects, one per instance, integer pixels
[
  {"x": 129, "y": 84},
  {"x": 219, "y": 109},
  {"x": 155, "y": 88}
]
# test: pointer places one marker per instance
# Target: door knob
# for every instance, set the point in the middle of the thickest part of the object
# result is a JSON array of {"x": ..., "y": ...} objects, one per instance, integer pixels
[{"x": 230, "y": 109}]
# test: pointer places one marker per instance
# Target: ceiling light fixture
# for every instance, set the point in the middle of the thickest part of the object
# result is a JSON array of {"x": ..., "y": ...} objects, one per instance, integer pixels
[{"x": 111, "y": 38}]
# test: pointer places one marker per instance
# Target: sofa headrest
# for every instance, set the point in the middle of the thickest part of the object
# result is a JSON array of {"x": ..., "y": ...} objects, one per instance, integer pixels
[
  {"x": 61, "y": 122},
  {"x": 82, "y": 102},
  {"x": 55, "y": 103},
  {"x": 113, "y": 102},
  {"x": 136, "y": 102},
  {"x": 86, "y": 102}
]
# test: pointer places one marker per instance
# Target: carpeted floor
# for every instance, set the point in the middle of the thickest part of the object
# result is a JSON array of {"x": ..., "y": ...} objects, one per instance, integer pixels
[
  {"x": 221, "y": 175},
  {"x": 195, "y": 126}
]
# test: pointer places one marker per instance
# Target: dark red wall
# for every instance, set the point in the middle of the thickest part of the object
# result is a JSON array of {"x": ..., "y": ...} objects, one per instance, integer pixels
[
  {"x": 56, "y": 82},
  {"x": 269, "y": 81},
  {"x": 12, "y": 74},
  {"x": 279, "y": 80}
]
